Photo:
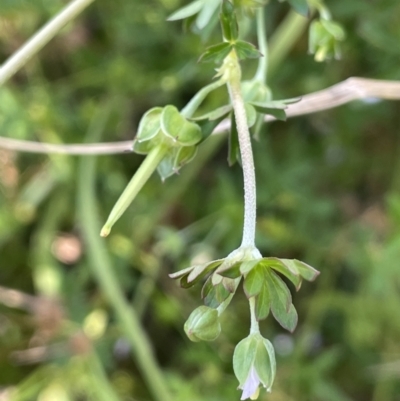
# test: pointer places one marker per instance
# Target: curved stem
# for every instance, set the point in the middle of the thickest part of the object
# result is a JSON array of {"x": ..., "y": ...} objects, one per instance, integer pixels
[
  {"x": 141, "y": 176},
  {"x": 41, "y": 38},
  {"x": 198, "y": 98},
  {"x": 103, "y": 271},
  {"x": 233, "y": 73},
  {"x": 262, "y": 70}
]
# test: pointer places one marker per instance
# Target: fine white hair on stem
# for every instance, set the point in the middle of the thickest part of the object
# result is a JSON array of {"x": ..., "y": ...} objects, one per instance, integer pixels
[{"x": 342, "y": 93}]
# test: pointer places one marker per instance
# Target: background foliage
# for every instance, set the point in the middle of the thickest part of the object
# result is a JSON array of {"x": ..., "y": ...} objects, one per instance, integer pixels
[{"x": 328, "y": 194}]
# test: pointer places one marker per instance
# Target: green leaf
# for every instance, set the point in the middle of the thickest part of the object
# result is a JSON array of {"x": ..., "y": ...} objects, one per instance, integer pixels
[
  {"x": 175, "y": 126},
  {"x": 149, "y": 125},
  {"x": 246, "y": 50},
  {"x": 254, "y": 281},
  {"x": 199, "y": 271},
  {"x": 281, "y": 299},
  {"x": 248, "y": 265},
  {"x": 300, "y": 6},
  {"x": 282, "y": 267},
  {"x": 205, "y": 15},
  {"x": 187, "y": 11},
  {"x": 231, "y": 272},
  {"x": 263, "y": 302},
  {"x": 289, "y": 320},
  {"x": 279, "y": 114},
  {"x": 229, "y": 23},
  {"x": 305, "y": 270},
  {"x": 233, "y": 147},
  {"x": 214, "y": 295},
  {"x": 216, "y": 53}
]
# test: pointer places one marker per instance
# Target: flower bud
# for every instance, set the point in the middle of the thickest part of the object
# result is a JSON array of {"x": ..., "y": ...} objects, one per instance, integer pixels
[
  {"x": 254, "y": 364},
  {"x": 203, "y": 324}
]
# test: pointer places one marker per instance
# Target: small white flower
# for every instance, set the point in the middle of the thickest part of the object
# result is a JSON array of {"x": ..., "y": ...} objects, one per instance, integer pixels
[{"x": 251, "y": 386}]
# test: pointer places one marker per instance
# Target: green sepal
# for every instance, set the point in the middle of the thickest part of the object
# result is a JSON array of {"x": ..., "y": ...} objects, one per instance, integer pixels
[
  {"x": 265, "y": 363},
  {"x": 149, "y": 125},
  {"x": 301, "y": 6},
  {"x": 263, "y": 302},
  {"x": 184, "y": 155},
  {"x": 255, "y": 352},
  {"x": 246, "y": 50},
  {"x": 229, "y": 23},
  {"x": 216, "y": 53},
  {"x": 166, "y": 166},
  {"x": 142, "y": 148},
  {"x": 243, "y": 358},
  {"x": 203, "y": 324},
  {"x": 180, "y": 130},
  {"x": 187, "y": 11}
]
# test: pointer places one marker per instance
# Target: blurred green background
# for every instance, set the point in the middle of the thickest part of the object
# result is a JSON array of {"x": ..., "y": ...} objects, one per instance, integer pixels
[{"x": 328, "y": 194}]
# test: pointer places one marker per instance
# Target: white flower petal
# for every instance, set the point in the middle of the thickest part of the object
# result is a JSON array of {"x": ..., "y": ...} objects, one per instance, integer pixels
[{"x": 251, "y": 384}]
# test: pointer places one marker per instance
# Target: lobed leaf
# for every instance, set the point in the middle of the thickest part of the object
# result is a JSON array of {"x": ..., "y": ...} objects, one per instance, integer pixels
[
  {"x": 254, "y": 282},
  {"x": 246, "y": 50},
  {"x": 216, "y": 53}
]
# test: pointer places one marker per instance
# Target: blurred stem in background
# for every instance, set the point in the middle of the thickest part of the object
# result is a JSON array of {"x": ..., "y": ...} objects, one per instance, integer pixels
[
  {"x": 41, "y": 38},
  {"x": 103, "y": 271}
]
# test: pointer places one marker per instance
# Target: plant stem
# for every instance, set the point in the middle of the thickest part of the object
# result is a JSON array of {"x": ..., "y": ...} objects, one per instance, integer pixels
[
  {"x": 254, "y": 326},
  {"x": 103, "y": 271},
  {"x": 141, "y": 176},
  {"x": 233, "y": 73},
  {"x": 198, "y": 98},
  {"x": 262, "y": 70},
  {"x": 41, "y": 38},
  {"x": 285, "y": 36}
]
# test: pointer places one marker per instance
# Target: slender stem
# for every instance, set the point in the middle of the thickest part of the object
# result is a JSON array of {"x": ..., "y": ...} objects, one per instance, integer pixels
[
  {"x": 103, "y": 271},
  {"x": 254, "y": 326},
  {"x": 262, "y": 70},
  {"x": 246, "y": 153},
  {"x": 284, "y": 38},
  {"x": 141, "y": 176},
  {"x": 198, "y": 98},
  {"x": 41, "y": 38}
]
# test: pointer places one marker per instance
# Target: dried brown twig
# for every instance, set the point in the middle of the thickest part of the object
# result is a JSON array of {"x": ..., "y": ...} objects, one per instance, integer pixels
[{"x": 334, "y": 96}]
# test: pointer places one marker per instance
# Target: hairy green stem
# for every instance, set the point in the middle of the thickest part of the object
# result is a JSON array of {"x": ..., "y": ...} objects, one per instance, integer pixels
[
  {"x": 262, "y": 70},
  {"x": 41, "y": 38},
  {"x": 103, "y": 271},
  {"x": 141, "y": 176},
  {"x": 233, "y": 75}
]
